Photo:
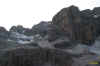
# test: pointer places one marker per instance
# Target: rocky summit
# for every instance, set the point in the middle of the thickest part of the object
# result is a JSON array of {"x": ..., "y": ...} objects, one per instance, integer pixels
[{"x": 71, "y": 38}]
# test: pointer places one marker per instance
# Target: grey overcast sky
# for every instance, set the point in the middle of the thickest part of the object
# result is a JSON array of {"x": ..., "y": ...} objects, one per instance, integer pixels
[{"x": 30, "y": 12}]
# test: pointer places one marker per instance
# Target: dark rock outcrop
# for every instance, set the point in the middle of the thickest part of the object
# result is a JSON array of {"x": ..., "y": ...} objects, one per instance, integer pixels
[
  {"x": 37, "y": 57},
  {"x": 19, "y": 29},
  {"x": 41, "y": 28},
  {"x": 66, "y": 15},
  {"x": 75, "y": 25},
  {"x": 86, "y": 13},
  {"x": 68, "y": 20},
  {"x": 71, "y": 32},
  {"x": 3, "y": 33},
  {"x": 65, "y": 22},
  {"x": 54, "y": 32},
  {"x": 96, "y": 12},
  {"x": 28, "y": 32},
  {"x": 65, "y": 44}
]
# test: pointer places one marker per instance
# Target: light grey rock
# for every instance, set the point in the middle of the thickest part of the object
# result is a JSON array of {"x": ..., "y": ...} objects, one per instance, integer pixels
[
  {"x": 79, "y": 49},
  {"x": 95, "y": 48}
]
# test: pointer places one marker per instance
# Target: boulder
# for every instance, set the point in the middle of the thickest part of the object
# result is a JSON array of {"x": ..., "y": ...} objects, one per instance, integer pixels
[
  {"x": 41, "y": 28},
  {"x": 28, "y": 32},
  {"x": 64, "y": 44},
  {"x": 18, "y": 28},
  {"x": 54, "y": 32}
]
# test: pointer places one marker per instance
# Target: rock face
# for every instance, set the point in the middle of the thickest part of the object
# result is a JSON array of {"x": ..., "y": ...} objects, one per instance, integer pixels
[
  {"x": 3, "y": 33},
  {"x": 41, "y": 28},
  {"x": 37, "y": 57},
  {"x": 96, "y": 15},
  {"x": 72, "y": 34},
  {"x": 20, "y": 35},
  {"x": 54, "y": 32},
  {"x": 28, "y": 32},
  {"x": 68, "y": 13},
  {"x": 64, "y": 44},
  {"x": 96, "y": 12},
  {"x": 66, "y": 21},
  {"x": 19, "y": 29},
  {"x": 72, "y": 22},
  {"x": 86, "y": 13},
  {"x": 20, "y": 38}
]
